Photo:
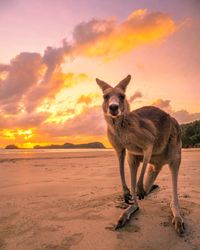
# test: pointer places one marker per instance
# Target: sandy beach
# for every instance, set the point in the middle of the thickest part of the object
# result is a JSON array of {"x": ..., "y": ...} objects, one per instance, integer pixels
[{"x": 71, "y": 200}]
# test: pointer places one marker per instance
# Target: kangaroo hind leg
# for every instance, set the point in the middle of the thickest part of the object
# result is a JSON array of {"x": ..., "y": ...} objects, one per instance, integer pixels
[
  {"x": 177, "y": 219},
  {"x": 146, "y": 159},
  {"x": 151, "y": 175}
]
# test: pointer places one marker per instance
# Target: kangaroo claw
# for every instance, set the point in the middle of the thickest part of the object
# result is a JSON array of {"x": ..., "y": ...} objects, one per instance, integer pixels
[
  {"x": 127, "y": 196},
  {"x": 179, "y": 225}
]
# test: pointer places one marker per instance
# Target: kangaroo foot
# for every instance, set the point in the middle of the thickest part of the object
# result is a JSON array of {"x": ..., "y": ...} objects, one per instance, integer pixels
[
  {"x": 127, "y": 196},
  {"x": 126, "y": 215},
  {"x": 179, "y": 225},
  {"x": 140, "y": 192}
]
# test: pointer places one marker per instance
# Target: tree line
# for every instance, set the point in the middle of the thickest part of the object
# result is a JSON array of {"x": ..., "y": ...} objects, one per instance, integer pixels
[{"x": 191, "y": 134}]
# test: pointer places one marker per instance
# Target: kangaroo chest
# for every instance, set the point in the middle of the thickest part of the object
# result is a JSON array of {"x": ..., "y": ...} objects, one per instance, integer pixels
[{"x": 127, "y": 140}]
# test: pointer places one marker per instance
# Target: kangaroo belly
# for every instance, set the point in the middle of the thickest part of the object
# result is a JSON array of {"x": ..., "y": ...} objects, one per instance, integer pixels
[
  {"x": 135, "y": 152},
  {"x": 130, "y": 145}
]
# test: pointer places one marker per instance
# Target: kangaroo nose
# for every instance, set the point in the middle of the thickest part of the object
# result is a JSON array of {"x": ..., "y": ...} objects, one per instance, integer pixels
[{"x": 113, "y": 108}]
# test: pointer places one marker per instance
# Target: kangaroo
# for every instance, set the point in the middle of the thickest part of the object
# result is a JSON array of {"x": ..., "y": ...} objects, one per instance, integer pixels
[{"x": 148, "y": 135}]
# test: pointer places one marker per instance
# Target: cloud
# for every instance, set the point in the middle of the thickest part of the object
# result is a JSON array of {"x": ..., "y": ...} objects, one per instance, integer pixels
[
  {"x": 31, "y": 120},
  {"x": 135, "y": 96},
  {"x": 48, "y": 92},
  {"x": 31, "y": 77},
  {"x": 89, "y": 123},
  {"x": 23, "y": 72},
  {"x": 163, "y": 104},
  {"x": 53, "y": 57},
  {"x": 39, "y": 92},
  {"x": 24, "y": 120},
  {"x": 107, "y": 38},
  {"x": 182, "y": 116},
  {"x": 86, "y": 99},
  {"x": 4, "y": 68},
  {"x": 87, "y": 32}
]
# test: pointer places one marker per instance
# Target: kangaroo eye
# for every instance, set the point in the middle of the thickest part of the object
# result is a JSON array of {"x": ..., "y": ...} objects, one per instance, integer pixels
[
  {"x": 106, "y": 97},
  {"x": 122, "y": 97}
]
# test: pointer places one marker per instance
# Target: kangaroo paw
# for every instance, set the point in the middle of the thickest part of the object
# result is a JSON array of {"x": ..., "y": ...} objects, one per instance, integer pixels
[
  {"x": 127, "y": 196},
  {"x": 179, "y": 225},
  {"x": 140, "y": 192}
]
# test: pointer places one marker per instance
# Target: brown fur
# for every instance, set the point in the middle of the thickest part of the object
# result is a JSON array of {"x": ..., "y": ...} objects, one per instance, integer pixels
[{"x": 148, "y": 135}]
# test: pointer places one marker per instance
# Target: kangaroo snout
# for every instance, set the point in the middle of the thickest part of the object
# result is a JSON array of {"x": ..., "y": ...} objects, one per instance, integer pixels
[{"x": 114, "y": 109}]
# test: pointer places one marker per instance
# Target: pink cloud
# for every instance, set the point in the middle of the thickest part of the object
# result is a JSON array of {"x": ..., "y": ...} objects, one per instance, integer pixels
[
  {"x": 22, "y": 73},
  {"x": 182, "y": 116},
  {"x": 135, "y": 96}
]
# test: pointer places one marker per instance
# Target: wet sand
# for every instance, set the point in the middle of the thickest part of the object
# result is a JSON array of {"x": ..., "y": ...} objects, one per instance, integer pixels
[{"x": 71, "y": 200}]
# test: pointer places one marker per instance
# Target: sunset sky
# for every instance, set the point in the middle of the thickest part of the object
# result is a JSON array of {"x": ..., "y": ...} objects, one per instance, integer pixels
[{"x": 52, "y": 51}]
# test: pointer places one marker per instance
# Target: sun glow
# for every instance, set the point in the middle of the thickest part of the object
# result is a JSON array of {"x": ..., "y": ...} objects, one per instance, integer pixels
[
  {"x": 14, "y": 133},
  {"x": 20, "y": 136},
  {"x": 71, "y": 101},
  {"x": 26, "y": 133}
]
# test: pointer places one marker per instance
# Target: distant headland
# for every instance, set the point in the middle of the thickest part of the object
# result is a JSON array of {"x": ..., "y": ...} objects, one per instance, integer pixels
[
  {"x": 70, "y": 145},
  {"x": 11, "y": 146},
  {"x": 63, "y": 146}
]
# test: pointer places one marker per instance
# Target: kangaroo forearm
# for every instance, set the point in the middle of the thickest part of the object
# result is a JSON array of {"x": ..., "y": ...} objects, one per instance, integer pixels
[{"x": 121, "y": 157}]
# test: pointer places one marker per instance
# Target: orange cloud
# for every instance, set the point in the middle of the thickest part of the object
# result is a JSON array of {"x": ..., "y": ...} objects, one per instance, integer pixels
[
  {"x": 163, "y": 104},
  {"x": 88, "y": 123},
  {"x": 63, "y": 100},
  {"x": 108, "y": 39},
  {"x": 87, "y": 99}
]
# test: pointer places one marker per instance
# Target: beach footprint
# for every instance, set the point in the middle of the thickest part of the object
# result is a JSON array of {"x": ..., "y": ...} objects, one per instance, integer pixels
[{"x": 66, "y": 243}]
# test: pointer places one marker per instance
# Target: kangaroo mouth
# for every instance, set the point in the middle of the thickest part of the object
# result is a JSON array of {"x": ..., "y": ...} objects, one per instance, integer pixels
[{"x": 114, "y": 113}]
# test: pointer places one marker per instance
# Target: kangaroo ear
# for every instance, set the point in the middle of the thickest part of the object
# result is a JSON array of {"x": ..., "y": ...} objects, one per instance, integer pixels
[
  {"x": 124, "y": 83},
  {"x": 103, "y": 85}
]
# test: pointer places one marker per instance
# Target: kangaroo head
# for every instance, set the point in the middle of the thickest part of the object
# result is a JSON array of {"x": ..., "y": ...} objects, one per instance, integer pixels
[{"x": 115, "y": 103}]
